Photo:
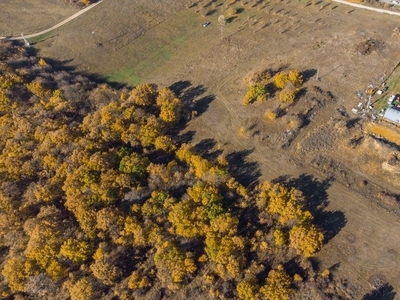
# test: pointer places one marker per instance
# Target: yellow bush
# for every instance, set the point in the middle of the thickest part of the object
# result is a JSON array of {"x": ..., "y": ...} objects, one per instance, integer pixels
[
  {"x": 295, "y": 77},
  {"x": 287, "y": 96},
  {"x": 280, "y": 79},
  {"x": 270, "y": 115}
]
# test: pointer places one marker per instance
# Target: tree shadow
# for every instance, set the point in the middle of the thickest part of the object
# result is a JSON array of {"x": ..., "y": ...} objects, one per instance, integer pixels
[
  {"x": 189, "y": 95},
  {"x": 201, "y": 105},
  {"x": 211, "y": 12},
  {"x": 385, "y": 292},
  {"x": 179, "y": 86},
  {"x": 204, "y": 148},
  {"x": 247, "y": 173},
  {"x": 186, "y": 137},
  {"x": 316, "y": 200},
  {"x": 308, "y": 74},
  {"x": 231, "y": 19},
  {"x": 331, "y": 222}
]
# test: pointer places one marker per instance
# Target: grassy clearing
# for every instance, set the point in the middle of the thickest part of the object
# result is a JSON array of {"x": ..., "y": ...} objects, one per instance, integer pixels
[
  {"x": 174, "y": 39},
  {"x": 172, "y": 44},
  {"x": 389, "y": 134}
]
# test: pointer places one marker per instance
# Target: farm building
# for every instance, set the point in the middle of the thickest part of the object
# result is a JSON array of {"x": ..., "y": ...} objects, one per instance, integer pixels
[{"x": 392, "y": 115}]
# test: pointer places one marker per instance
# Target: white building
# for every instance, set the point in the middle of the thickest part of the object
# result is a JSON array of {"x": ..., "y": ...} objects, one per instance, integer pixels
[{"x": 392, "y": 115}]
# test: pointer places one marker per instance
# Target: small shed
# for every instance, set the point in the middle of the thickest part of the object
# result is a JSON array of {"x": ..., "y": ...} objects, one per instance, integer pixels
[{"x": 392, "y": 115}]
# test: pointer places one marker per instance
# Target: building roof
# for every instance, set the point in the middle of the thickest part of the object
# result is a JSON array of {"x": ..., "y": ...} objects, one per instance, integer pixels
[{"x": 392, "y": 115}]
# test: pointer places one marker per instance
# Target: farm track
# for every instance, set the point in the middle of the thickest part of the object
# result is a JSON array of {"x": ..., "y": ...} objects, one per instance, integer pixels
[{"x": 385, "y": 11}]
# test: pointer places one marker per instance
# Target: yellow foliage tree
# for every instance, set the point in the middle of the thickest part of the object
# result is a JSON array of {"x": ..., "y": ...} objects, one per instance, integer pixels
[
  {"x": 280, "y": 79},
  {"x": 144, "y": 94},
  {"x": 306, "y": 239},
  {"x": 75, "y": 250},
  {"x": 296, "y": 78},
  {"x": 279, "y": 237},
  {"x": 247, "y": 290},
  {"x": 173, "y": 265},
  {"x": 14, "y": 273},
  {"x": 287, "y": 96},
  {"x": 278, "y": 285}
]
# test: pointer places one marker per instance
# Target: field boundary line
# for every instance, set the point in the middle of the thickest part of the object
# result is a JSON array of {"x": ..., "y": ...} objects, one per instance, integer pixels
[{"x": 55, "y": 26}]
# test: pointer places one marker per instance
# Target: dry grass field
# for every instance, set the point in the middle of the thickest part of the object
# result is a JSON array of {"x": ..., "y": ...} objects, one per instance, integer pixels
[
  {"x": 331, "y": 157},
  {"x": 32, "y": 16}
]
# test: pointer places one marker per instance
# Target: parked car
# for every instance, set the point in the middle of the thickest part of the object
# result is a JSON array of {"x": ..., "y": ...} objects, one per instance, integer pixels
[{"x": 205, "y": 24}]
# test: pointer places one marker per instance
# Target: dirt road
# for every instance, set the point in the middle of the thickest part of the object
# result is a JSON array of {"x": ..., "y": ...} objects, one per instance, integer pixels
[{"x": 385, "y": 11}]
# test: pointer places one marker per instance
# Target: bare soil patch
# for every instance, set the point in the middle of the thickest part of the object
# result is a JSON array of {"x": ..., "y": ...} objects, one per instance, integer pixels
[{"x": 163, "y": 43}]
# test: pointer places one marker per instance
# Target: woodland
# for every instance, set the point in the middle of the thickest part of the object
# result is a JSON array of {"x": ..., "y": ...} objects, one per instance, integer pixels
[{"x": 102, "y": 197}]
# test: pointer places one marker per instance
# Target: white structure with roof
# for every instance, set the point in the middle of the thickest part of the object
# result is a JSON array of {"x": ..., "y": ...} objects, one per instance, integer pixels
[{"x": 392, "y": 115}]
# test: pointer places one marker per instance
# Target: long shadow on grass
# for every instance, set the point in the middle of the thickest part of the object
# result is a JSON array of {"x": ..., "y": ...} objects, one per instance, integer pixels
[
  {"x": 205, "y": 149},
  {"x": 192, "y": 97},
  {"x": 316, "y": 200},
  {"x": 308, "y": 74},
  {"x": 385, "y": 292},
  {"x": 246, "y": 172}
]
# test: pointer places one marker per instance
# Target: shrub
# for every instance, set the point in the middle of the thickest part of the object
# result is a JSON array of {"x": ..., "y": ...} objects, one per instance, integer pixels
[{"x": 256, "y": 92}]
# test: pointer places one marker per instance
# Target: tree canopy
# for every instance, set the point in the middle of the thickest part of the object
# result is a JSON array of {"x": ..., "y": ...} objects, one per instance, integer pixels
[{"x": 99, "y": 198}]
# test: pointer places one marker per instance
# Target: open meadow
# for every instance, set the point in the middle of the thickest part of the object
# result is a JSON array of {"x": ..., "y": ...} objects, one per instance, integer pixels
[{"x": 330, "y": 156}]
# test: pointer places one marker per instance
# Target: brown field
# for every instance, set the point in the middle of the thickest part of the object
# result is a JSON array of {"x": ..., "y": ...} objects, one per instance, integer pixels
[{"x": 331, "y": 157}]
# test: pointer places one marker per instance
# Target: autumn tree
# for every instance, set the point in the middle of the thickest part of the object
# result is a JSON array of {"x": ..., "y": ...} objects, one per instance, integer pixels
[
  {"x": 278, "y": 285},
  {"x": 256, "y": 92},
  {"x": 306, "y": 239},
  {"x": 144, "y": 94}
]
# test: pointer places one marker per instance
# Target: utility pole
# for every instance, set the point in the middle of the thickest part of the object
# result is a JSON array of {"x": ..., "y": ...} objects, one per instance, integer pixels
[
  {"x": 222, "y": 22},
  {"x": 95, "y": 40},
  {"x": 25, "y": 41}
]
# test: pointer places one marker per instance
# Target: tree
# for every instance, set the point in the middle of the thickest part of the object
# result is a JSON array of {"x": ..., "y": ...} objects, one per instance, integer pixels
[
  {"x": 279, "y": 237},
  {"x": 296, "y": 78},
  {"x": 256, "y": 92},
  {"x": 134, "y": 164},
  {"x": 287, "y": 96},
  {"x": 75, "y": 250},
  {"x": 306, "y": 239},
  {"x": 280, "y": 79},
  {"x": 278, "y": 285},
  {"x": 14, "y": 273},
  {"x": 173, "y": 265},
  {"x": 84, "y": 289},
  {"x": 144, "y": 94},
  {"x": 247, "y": 290}
]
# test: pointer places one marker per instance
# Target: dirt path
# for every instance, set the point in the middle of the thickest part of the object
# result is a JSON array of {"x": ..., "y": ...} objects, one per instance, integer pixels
[
  {"x": 385, "y": 11},
  {"x": 55, "y": 26}
]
